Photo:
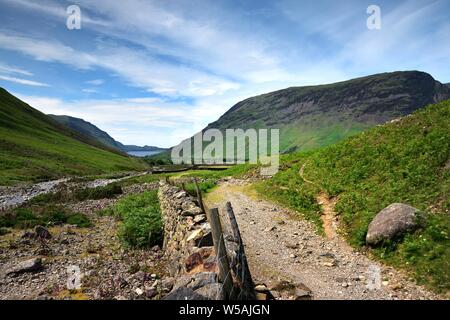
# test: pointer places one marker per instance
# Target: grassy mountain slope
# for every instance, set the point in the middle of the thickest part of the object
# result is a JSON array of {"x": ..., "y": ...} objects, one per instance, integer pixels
[
  {"x": 89, "y": 130},
  {"x": 316, "y": 116},
  {"x": 404, "y": 161},
  {"x": 34, "y": 147}
]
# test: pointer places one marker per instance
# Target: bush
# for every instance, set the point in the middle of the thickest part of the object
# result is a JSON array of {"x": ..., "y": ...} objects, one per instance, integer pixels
[{"x": 142, "y": 224}]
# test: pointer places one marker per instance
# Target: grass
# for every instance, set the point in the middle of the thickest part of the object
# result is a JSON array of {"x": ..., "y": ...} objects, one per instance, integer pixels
[
  {"x": 141, "y": 221},
  {"x": 405, "y": 161},
  {"x": 29, "y": 217},
  {"x": 35, "y": 148}
]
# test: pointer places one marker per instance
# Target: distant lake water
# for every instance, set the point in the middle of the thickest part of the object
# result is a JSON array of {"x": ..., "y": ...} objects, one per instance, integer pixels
[{"x": 142, "y": 154}]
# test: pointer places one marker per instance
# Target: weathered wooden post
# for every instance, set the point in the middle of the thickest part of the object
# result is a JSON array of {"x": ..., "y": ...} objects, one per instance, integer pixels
[
  {"x": 183, "y": 186},
  {"x": 199, "y": 195},
  {"x": 242, "y": 270},
  {"x": 221, "y": 253}
]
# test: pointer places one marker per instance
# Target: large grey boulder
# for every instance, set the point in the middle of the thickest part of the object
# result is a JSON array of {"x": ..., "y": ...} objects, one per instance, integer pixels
[{"x": 392, "y": 222}]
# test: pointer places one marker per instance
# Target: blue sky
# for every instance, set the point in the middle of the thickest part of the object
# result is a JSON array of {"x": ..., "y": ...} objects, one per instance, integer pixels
[{"x": 156, "y": 72}]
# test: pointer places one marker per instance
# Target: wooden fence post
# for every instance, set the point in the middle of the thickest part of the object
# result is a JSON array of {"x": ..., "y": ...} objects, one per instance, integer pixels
[
  {"x": 199, "y": 195},
  {"x": 221, "y": 253},
  {"x": 242, "y": 270}
]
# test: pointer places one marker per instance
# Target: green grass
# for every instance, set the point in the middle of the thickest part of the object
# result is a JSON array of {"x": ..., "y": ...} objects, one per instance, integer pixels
[
  {"x": 31, "y": 216},
  {"x": 406, "y": 161},
  {"x": 141, "y": 221},
  {"x": 36, "y": 148}
]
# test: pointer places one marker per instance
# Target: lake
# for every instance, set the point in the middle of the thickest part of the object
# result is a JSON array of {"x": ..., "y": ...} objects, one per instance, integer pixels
[{"x": 142, "y": 154}]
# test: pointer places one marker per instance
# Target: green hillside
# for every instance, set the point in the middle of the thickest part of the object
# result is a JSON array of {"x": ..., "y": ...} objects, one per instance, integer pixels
[
  {"x": 33, "y": 147},
  {"x": 316, "y": 116},
  {"x": 87, "y": 129},
  {"x": 405, "y": 161}
]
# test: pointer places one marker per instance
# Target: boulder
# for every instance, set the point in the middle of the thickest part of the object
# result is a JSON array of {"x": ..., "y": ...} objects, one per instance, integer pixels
[{"x": 392, "y": 222}]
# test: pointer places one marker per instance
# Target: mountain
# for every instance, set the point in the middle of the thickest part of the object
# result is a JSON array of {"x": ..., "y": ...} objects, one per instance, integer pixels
[
  {"x": 403, "y": 161},
  {"x": 315, "y": 116},
  {"x": 90, "y": 130},
  {"x": 34, "y": 147}
]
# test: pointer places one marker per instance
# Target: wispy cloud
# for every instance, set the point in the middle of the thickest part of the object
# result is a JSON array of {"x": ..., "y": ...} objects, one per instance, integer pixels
[
  {"x": 23, "y": 81},
  {"x": 13, "y": 70},
  {"x": 96, "y": 82}
]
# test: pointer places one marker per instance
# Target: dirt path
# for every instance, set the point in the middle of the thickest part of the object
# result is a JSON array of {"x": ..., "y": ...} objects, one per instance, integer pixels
[{"x": 282, "y": 247}]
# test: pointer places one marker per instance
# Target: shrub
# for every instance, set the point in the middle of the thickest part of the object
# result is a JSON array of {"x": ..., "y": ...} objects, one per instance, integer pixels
[{"x": 142, "y": 224}]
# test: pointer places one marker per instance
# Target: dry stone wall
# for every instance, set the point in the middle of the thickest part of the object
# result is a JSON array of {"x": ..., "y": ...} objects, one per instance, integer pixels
[{"x": 188, "y": 247}]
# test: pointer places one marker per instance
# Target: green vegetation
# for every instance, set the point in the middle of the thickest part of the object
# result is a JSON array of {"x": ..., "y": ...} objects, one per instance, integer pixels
[
  {"x": 141, "y": 222},
  {"x": 204, "y": 186},
  {"x": 29, "y": 217},
  {"x": 317, "y": 116},
  {"x": 80, "y": 194},
  {"x": 405, "y": 161},
  {"x": 36, "y": 148}
]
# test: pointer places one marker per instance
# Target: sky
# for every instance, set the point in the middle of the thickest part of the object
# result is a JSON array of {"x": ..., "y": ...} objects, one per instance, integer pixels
[{"x": 156, "y": 72}]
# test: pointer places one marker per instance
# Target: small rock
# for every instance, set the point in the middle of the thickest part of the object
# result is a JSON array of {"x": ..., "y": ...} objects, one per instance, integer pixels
[
  {"x": 200, "y": 218},
  {"x": 302, "y": 294},
  {"x": 197, "y": 234},
  {"x": 150, "y": 293},
  {"x": 139, "y": 291},
  {"x": 328, "y": 259},
  {"x": 42, "y": 232},
  {"x": 261, "y": 288},
  {"x": 31, "y": 265}
]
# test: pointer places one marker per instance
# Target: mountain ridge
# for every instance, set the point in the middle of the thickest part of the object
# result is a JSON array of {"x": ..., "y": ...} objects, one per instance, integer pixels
[
  {"x": 303, "y": 113},
  {"x": 92, "y": 131}
]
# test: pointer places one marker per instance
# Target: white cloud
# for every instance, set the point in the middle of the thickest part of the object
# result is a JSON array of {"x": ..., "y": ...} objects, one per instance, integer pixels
[
  {"x": 96, "y": 82},
  {"x": 4, "y": 68},
  {"x": 23, "y": 81}
]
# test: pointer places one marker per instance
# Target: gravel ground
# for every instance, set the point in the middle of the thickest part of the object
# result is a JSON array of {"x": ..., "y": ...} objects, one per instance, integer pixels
[
  {"x": 283, "y": 248},
  {"x": 106, "y": 269}
]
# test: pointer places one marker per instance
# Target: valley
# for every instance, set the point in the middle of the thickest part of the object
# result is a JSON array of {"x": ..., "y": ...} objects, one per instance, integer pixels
[{"x": 72, "y": 197}]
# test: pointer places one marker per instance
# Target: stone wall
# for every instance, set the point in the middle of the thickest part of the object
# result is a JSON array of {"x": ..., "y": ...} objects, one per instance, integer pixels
[{"x": 188, "y": 247}]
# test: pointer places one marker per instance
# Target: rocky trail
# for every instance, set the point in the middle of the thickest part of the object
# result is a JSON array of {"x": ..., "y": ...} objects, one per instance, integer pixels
[
  {"x": 286, "y": 253},
  {"x": 94, "y": 256}
]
